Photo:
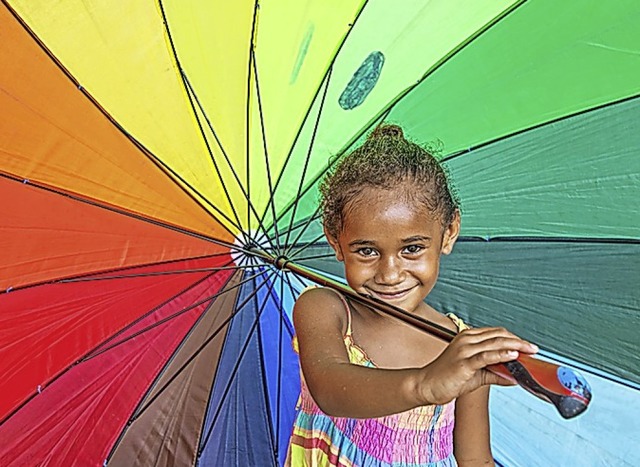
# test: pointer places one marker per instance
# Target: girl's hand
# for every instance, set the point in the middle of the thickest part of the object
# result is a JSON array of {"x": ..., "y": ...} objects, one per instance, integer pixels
[{"x": 461, "y": 368}]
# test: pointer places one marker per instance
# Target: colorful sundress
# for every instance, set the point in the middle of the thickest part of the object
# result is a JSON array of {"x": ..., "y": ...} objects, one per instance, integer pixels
[{"x": 419, "y": 437}]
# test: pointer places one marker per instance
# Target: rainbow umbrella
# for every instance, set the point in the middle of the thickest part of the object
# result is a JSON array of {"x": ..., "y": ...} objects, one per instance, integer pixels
[{"x": 159, "y": 163}]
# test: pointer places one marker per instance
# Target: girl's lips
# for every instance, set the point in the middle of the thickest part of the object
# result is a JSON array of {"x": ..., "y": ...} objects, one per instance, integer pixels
[{"x": 390, "y": 295}]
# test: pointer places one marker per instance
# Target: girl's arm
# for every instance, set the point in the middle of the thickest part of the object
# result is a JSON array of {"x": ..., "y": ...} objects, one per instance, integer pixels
[
  {"x": 471, "y": 440},
  {"x": 342, "y": 389}
]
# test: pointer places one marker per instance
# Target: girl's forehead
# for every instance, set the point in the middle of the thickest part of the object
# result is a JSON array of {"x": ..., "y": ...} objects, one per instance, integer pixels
[
  {"x": 386, "y": 198},
  {"x": 377, "y": 207}
]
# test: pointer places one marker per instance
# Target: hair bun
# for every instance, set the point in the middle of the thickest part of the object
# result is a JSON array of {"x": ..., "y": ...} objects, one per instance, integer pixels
[{"x": 386, "y": 131}]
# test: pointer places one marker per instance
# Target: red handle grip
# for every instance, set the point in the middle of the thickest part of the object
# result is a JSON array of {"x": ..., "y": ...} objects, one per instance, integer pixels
[{"x": 560, "y": 385}]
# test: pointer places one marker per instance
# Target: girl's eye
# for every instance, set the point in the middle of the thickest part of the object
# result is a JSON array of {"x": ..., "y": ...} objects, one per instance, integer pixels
[
  {"x": 366, "y": 251},
  {"x": 413, "y": 249}
]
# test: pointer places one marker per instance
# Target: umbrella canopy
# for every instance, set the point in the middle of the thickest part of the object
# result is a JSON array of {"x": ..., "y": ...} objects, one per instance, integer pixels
[{"x": 149, "y": 149}]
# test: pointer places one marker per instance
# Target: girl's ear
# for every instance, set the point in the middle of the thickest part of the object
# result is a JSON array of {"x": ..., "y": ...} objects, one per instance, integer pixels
[
  {"x": 451, "y": 234},
  {"x": 334, "y": 244}
]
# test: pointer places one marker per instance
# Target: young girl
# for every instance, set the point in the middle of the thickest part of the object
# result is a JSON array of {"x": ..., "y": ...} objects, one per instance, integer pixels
[{"x": 375, "y": 390}]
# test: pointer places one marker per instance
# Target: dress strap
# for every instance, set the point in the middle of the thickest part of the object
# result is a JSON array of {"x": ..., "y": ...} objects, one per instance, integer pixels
[
  {"x": 461, "y": 325},
  {"x": 348, "y": 311}
]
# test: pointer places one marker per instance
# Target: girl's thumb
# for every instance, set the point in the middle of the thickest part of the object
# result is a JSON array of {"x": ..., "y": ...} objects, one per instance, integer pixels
[{"x": 492, "y": 378}]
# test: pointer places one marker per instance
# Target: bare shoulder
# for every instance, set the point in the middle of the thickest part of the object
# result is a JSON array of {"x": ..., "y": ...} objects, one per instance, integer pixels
[
  {"x": 319, "y": 299},
  {"x": 319, "y": 307},
  {"x": 319, "y": 295},
  {"x": 320, "y": 322}
]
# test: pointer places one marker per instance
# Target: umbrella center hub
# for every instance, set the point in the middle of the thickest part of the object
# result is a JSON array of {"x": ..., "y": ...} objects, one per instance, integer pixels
[
  {"x": 245, "y": 243},
  {"x": 281, "y": 262}
]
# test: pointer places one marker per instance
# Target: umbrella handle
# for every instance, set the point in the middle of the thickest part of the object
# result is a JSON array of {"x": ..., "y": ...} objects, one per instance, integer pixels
[{"x": 564, "y": 387}]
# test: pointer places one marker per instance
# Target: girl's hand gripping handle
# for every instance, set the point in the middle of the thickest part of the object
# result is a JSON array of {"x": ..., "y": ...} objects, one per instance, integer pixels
[{"x": 560, "y": 385}]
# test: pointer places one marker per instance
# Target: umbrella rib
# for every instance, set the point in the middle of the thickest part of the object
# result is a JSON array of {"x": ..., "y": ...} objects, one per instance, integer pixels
[
  {"x": 297, "y": 277},
  {"x": 538, "y": 126},
  {"x": 248, "y": 115},
  {"x": 194, "y": 97},
  {"x": 158, "y": 376},
  {"x": 303, "y": 225},
  {"x": 323, "y": 256},
  {"x": 191, "y": 96},
  {"x": 237, "y": 364},
  {"x": 133, "y": 215},
  {"x": 318, "y": 243},
  {"x": 329, "y": 68},
  {"x": 280, "y": 360},
  {"x": 90, "y": 352},
  {"x": 143, "y": 149},
  {"x": 272, "y": 434},
  {"x": 319, "y": 175},
  {"x": 98, "y": 275},
  {"x": 163, "y": 320},
  {"x": 311, "y": 243},
  {"x": 159, "y": 273},
  {"x": 245, "y": 194},
  {"x": 197, "y": 352},
  {"x": 281, "y": 308},
  {"x": 316, "y": 215},
  {"x": 532, "y": 239},
  {"x": 93, "y": 274},
  {"x": 191, "y": 92},
  {"x": 266, "y": 154},
  {"x": 290, "y": 153},
  {"x": 308, "y": 158},
  {"x": 228, "y": 162},
  {"x": 292, "y": 289}
]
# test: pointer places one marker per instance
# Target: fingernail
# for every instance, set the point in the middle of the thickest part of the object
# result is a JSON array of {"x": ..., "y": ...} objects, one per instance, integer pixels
[
  {"x": 535, "y": 347},
  {"x": 512, "y": 353}
]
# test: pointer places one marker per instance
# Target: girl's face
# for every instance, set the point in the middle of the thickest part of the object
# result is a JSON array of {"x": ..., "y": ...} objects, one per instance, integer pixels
[{"x": 391, "y": 247}]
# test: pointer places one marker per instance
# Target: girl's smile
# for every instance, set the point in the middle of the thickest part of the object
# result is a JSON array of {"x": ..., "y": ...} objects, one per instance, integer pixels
[{"x": 391, "y": 246}]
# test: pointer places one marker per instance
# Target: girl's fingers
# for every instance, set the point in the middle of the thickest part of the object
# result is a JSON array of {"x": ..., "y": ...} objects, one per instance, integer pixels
[
  {"x": 485, "y": 331},
  {"x": 480, "y": 334},
  {"x": 503, "y": 343},
  {"x": 484, "y": 339},
  {"x": 493, "y": 357}
]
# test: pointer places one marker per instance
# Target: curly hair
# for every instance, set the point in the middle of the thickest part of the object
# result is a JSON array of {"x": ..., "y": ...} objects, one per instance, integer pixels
[{"x": 389, "y": 161}]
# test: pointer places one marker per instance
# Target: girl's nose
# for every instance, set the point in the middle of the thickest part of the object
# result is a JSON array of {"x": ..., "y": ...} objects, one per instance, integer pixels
[{"x": 389, "y": 271}]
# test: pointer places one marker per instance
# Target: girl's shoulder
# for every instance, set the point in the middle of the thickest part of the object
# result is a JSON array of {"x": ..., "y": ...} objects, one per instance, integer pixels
[
  {"x": 322, "y": 302},
  {"x": 320, "y": 296},
  {"x": 320, "y": 307}
]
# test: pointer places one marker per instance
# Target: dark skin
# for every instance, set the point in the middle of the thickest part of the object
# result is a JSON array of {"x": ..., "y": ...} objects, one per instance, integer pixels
[{"x": 391, "y": 250}]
